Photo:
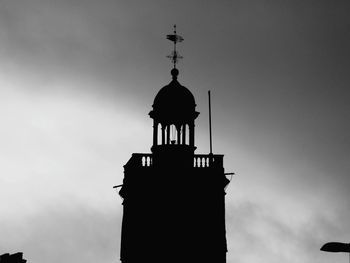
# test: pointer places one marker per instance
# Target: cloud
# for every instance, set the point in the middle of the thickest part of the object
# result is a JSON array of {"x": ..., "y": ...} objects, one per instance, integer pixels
[
  {"x": 60, "y": 156},
  {"x": 69, "y": 232},
  {"x": 256, "y": 231},
  {"x": 77, "y": 79}
]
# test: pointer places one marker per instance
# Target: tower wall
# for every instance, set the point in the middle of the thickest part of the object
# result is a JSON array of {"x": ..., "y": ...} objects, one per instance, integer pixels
[{"x": 173, "y": 213}]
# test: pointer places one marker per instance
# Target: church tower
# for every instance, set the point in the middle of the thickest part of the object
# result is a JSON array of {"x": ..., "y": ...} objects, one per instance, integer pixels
[{"x": 173, "y": 199}]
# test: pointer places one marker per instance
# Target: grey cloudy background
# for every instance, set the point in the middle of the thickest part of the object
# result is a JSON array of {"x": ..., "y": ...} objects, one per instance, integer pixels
[{"x": 78, "y": 78}]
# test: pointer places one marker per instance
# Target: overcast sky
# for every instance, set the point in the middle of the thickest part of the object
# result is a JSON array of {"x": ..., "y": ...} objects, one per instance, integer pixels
[{"x": 78, "y": 78}]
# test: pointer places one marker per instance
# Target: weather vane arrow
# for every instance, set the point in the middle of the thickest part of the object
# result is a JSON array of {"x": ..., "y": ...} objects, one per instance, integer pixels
[{"x": 174, "y": 54}]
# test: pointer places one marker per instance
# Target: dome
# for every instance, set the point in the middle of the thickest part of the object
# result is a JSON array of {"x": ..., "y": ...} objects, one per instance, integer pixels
[
  {"x": 175, "y": 95},
  {"x": 174, "y": 102}
]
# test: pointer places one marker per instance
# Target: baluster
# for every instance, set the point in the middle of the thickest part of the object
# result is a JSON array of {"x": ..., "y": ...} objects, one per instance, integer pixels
[{"x": 143, "y": 161}]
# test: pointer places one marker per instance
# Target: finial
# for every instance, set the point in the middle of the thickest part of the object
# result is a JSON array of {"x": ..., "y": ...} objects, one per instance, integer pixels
[
  {"x": 175, "y": 55},
  {"x": 174, "y": 72}
]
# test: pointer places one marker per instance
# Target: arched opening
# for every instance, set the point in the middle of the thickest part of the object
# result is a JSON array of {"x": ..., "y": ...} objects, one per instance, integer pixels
[
  {"x": 159, "y": 134},
  {"x": 175, "y": 134}
]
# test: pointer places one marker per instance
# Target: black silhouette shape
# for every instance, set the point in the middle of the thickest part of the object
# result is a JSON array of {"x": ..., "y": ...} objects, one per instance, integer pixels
[
  {"x": 173, "y": 199},
  {"x": 12, "y": 258},
  {"x": 336, "y": 247}
]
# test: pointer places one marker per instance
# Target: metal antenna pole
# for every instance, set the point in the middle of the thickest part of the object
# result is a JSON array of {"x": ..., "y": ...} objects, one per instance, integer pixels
[
  {"x": 175, "y": 54},
  {"x": 210, "y": 137}
]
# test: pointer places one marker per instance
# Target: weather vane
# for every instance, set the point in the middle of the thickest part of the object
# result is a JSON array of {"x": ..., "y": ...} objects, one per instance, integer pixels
[{"x": 175, "y": 55}]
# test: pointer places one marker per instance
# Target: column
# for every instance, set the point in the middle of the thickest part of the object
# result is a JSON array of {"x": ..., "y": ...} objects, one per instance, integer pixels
[
  {"x": 184, "y": 134},
  {"x": 155, "y": 133},
  {"x": 163, "y": 134},
  {"x": 192, "y": 133}
]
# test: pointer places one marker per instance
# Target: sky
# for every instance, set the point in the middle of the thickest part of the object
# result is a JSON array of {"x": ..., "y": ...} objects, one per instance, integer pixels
[{"x": 78, "y": 79}]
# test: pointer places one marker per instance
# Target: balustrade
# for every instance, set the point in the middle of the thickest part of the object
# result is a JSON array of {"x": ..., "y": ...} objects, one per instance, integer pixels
[
  {"x": 199, "y": 160},
  {"x": 141, "y": 159},
  {"x": 206, "y": 161}
]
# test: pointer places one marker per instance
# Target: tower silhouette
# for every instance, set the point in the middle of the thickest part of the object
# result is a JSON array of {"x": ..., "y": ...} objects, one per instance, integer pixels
[{"x": 173, "y": 199}]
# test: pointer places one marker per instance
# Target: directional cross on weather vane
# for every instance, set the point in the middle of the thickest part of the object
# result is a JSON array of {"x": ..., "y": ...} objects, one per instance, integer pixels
[{"x": 175, "y": 55}]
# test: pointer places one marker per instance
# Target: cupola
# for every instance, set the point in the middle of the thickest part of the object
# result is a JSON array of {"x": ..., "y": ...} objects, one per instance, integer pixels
[{"x": 174, "y": 111}]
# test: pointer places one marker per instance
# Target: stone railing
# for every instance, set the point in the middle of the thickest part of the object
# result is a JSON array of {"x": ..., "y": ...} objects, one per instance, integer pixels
[
  {"x": 199, "y": 160},
  {"x": 141, "y": 160},
  {"x": 207, "y": 160}
]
